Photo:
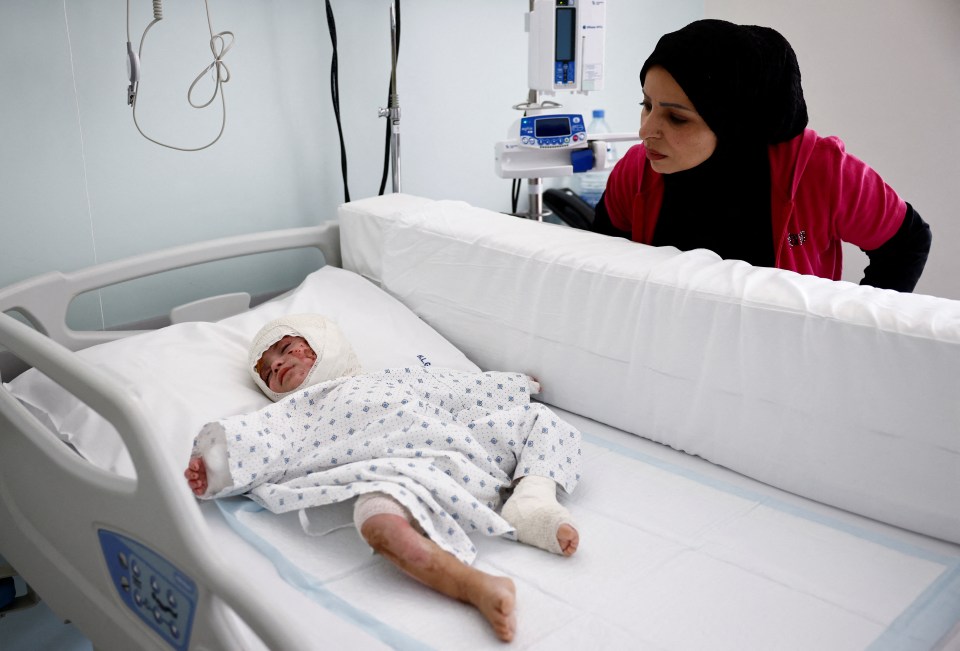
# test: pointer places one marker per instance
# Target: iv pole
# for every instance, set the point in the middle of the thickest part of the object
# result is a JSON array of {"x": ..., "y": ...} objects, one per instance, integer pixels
[
  {"x": 534, "y": 185},
  {"x": 533, "y": 106},
  {"x": 392, "y": 112}
]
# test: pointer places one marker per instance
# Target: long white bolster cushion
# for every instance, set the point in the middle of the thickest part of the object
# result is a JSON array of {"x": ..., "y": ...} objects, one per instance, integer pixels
[{"x": 845, "y": 394}]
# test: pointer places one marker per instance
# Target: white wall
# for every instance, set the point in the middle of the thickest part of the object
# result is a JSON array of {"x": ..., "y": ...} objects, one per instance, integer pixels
[
  {"x": 462, "y": 67},
  {"x": 885, "y": 77},
  {"x": 79, "y": 185}
]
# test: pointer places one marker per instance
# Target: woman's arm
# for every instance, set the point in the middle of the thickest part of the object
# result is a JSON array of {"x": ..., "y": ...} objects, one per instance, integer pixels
[{"x": 898, "y": 263}]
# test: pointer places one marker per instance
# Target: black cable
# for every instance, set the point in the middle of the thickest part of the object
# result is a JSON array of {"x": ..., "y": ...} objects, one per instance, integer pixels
[
  {"x": 515, "y": 195},
  {"x": 335, "y": 96},
  {"x": 393, "y": 85}
]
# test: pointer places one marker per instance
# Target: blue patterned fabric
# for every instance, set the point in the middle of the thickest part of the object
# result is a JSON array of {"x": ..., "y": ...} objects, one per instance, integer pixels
[{"x": 443, "y": 443}]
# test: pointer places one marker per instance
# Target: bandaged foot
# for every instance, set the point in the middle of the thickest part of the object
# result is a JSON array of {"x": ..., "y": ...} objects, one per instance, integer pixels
[{"x": 539, "y": 519}]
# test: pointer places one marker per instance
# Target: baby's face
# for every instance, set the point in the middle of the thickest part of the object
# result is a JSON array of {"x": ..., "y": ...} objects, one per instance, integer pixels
[{"x": 285, "y": 365}]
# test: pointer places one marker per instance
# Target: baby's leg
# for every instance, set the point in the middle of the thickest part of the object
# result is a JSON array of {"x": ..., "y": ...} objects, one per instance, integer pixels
[
  {"x": 539, "y": 519},
  {"x": 387, "y": 529}
]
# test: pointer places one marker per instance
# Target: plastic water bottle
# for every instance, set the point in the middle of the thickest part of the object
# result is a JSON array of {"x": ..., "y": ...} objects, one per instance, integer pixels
[{"x": 593, "y": 183}]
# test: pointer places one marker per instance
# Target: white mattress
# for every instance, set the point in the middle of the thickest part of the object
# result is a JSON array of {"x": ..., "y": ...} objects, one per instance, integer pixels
[
  {"x": 676, "y": 553},
  {"x": 848, "y": 395}
]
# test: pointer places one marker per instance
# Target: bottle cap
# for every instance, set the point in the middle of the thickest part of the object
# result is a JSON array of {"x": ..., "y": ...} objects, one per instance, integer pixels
[{"x": 598, "y": 113}]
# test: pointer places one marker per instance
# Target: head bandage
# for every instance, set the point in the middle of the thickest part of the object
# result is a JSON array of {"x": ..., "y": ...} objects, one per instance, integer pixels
[{"x": 335, "y": 356}]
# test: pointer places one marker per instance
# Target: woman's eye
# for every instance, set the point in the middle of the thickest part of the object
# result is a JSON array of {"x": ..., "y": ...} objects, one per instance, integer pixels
[{"x": 676, "y": 119}]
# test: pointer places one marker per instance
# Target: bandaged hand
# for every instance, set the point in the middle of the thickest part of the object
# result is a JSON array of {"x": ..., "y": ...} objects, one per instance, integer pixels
[{"x": 533, "y": 384}]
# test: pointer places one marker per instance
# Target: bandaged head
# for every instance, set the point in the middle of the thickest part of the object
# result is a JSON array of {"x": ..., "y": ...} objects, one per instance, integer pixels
[{"x": 335, "y": 356}]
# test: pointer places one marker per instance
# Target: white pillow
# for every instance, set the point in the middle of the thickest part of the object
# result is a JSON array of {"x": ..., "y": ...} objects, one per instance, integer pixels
[{"x": 188, "y": 374}]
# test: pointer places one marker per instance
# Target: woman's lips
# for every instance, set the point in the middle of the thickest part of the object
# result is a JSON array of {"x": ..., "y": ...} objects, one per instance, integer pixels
[{"x": 654, "y": 155}]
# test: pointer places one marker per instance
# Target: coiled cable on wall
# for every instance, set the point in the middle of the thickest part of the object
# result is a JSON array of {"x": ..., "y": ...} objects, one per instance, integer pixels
[{"x": 220, "y": 44}]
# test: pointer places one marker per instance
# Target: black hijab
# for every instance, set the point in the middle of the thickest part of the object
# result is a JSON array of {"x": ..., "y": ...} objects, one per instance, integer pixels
[{"x": 744, "y": 81}]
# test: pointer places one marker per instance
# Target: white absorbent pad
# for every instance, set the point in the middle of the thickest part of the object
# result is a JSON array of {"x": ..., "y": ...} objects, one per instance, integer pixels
[
  {"x": 845, "y": 394},
  {"x": 675, "y": 553}
]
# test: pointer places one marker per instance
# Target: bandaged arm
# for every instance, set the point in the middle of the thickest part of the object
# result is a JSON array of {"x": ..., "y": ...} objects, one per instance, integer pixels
[{"x": 211, "y": 445}]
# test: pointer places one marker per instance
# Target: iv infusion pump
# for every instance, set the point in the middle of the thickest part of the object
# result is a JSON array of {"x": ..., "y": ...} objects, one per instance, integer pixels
[
  {"x": 544, "y": 146},
  {"x": 566, "y": 45},
  {"x": 552, "y": 131}
]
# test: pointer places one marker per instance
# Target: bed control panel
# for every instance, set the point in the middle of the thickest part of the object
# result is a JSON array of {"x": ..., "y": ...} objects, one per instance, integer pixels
[{"x": 164, "y": 597}]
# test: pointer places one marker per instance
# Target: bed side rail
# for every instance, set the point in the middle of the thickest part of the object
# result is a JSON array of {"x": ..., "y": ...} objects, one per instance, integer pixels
[
  {"x": 44, "y": 299},
  {"x": 77, "y": 499}
]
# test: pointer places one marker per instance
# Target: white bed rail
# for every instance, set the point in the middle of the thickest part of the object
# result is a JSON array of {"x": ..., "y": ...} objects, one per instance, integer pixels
[
  {"x": 46, "y": 490},
  {"x": 44, "y": 299},
  {"x": 156, "y": 509}
]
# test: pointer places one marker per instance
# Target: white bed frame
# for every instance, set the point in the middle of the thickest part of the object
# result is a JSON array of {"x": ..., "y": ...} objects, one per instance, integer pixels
[{"x": 48, "y": 530}]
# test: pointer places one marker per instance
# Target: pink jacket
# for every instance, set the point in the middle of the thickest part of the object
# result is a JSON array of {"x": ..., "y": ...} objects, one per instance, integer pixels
[{"x": 820, "y": 196}]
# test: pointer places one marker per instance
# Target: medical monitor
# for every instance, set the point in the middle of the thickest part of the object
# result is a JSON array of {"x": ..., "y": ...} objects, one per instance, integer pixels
[{"x": 566, "y": 45}]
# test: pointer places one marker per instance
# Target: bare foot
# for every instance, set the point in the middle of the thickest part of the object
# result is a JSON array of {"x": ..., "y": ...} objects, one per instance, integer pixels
[
  {"x": 495, "y": 597},
  {"x": 568, "y": 538},
  {"x": 196, "y": 474}
]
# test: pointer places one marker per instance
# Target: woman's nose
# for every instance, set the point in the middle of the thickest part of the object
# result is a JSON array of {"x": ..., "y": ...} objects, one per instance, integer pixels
[{"x": 647, "y": 125}]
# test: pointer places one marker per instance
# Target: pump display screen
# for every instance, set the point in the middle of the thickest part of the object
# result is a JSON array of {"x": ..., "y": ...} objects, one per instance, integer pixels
[
  {"x": 551, "y": 127},
  {"x": 566, "y": 34}
]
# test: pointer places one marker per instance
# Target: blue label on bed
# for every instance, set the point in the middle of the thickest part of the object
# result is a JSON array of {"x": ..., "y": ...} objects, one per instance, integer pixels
[{"x": 164, "y": 597}]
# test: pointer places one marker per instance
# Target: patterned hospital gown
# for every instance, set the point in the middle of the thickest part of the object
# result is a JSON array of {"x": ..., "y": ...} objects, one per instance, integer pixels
[{"x": 443, "y": 443}]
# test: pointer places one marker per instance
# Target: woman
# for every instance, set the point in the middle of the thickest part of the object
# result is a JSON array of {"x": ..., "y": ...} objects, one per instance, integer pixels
[{"x": 727, "y": 164}]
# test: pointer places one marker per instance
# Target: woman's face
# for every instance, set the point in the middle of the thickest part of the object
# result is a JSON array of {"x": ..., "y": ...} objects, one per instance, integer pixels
[
  {"x": 285, "y": 365},
  {"x": 675, "y": 136}
]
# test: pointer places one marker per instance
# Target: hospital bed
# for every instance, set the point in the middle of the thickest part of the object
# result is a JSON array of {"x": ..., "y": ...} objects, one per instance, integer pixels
[{"x": 770, "y": 460}]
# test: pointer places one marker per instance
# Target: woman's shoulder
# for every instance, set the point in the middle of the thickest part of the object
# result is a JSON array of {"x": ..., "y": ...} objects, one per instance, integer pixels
[
  {"x": 808, "y": 146},
  {"x": 808, "y": 152}
]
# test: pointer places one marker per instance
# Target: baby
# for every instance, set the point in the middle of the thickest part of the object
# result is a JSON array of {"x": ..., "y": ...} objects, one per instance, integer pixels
[{"x": 425, "y": 453}]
